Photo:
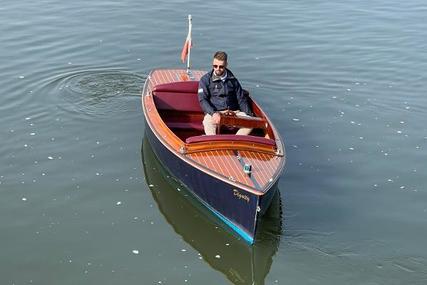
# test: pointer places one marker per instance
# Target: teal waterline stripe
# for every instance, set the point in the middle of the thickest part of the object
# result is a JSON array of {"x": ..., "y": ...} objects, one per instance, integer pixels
[
  {"x": 229, "y": 223},
  {"x": 238, "y": 230}
]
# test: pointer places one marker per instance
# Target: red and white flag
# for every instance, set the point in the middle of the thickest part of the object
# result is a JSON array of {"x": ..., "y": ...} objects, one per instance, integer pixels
[
  {"x": 186, "y": 48},
  {"x": 188, "y": 43}
]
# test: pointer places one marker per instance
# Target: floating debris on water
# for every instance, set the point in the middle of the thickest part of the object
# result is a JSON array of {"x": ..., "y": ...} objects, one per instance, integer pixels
[
  {"x": 118, "y": 203},
  {"x": 135, "y": 251},
  {"x": 218, "y": 256}
]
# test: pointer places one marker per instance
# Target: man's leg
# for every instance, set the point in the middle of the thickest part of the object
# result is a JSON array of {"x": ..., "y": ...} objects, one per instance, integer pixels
[
  {"x": 243, "y": 131},
  {"x": 209, "y": 126}
]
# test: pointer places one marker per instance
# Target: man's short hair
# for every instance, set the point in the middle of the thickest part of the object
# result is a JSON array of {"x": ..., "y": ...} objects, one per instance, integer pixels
[{"x": 221, "y": 55}]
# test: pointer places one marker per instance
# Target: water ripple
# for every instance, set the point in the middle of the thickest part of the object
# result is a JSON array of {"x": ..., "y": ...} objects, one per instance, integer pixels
[{"x": 94, "y": 93}]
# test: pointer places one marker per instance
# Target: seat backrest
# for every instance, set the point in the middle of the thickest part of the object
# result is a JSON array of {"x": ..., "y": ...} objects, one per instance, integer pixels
[
  {"x": 177, "y": 96},
  {"x": 178, "y": 87}
]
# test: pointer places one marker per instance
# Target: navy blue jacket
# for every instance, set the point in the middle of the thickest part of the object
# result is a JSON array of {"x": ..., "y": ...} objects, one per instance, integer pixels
[{"x": 218, "y": 95}]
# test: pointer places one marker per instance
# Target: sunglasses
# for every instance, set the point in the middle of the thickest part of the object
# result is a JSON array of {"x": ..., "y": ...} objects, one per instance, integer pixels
[{"x": 218, "y": 66}]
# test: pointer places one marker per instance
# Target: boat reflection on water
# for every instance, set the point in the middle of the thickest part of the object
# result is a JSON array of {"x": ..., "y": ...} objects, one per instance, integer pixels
[{"x": 220, "y": 248}]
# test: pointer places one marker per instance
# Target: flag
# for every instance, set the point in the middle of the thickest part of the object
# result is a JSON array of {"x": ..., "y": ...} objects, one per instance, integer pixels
[
  {"x": 185, "y": 49},
  {"x": 188, "y": 43}
]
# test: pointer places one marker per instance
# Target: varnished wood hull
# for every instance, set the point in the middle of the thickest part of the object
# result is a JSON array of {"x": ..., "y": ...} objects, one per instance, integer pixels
[{"x": 214, "y": 175}]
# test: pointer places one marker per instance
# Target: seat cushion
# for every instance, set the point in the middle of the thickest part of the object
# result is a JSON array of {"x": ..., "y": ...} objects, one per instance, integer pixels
[{"x": 178, "y": 96}]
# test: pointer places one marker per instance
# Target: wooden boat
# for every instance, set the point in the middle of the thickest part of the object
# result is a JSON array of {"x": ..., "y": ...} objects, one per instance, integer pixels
[
  {"x": 234, "y": 176},
  {"x": 222, "y": 251}
]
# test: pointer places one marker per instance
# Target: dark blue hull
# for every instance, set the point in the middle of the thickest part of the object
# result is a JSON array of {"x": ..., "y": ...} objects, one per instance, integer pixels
[{"x": 237, "y": 208}]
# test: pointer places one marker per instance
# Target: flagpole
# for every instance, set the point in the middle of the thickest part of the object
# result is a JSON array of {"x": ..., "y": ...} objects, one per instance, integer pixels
[{"x": 189, "y": 44}]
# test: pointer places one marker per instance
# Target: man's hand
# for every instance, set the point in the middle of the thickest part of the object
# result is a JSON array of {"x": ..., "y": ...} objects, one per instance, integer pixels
[{"x": 216, "y": 117}]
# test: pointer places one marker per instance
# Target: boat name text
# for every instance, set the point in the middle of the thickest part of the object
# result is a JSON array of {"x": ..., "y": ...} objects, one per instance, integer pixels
[{"x": 240, "y": 195}]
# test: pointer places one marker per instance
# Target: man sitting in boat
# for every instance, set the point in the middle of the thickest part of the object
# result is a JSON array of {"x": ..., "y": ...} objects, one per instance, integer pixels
[{"x": 220, "y": 92}]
